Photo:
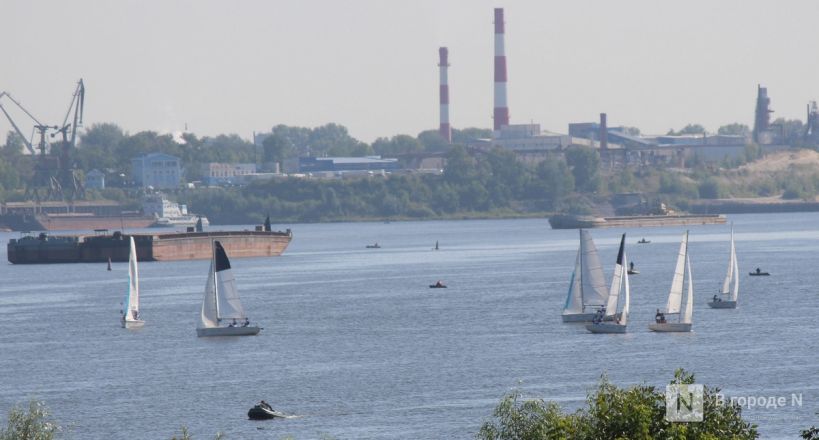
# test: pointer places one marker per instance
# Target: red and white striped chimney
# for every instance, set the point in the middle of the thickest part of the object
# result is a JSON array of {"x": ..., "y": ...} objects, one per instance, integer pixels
[
  {"x": 501, "y": 113},
  {"x": 443, "y": 63}
]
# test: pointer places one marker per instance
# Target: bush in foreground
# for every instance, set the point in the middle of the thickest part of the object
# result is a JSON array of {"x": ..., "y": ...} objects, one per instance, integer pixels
[{"x": 615, "y": 413}]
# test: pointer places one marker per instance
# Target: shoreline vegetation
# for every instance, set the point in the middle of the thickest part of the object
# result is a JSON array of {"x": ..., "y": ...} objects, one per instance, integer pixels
[
  {"x": 636, "y": 412},
  {"x": 475, "y": 183}
]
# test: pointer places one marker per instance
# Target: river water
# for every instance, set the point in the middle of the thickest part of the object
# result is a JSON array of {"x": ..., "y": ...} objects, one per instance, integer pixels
[{"x": 358, "y": 346}]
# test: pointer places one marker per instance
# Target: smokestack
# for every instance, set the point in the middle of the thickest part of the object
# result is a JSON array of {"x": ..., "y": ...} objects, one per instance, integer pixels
[
  {"x": 604, "y": 132},
  {"x": 443, "y": 63},
  {"x": 501, "y": 113}
]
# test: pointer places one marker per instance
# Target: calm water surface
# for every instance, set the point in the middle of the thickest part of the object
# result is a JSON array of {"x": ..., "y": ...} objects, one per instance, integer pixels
[{"x": 358, "y": 346}]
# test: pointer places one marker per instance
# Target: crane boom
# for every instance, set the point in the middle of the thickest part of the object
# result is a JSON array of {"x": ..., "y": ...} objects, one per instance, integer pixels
[{"x": 27, "y": 143}]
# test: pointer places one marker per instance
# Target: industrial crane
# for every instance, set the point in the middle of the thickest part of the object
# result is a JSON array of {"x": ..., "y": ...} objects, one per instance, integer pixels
[
  {"x": 46, "y": 173},
  {"x": 38, "y": 125}
]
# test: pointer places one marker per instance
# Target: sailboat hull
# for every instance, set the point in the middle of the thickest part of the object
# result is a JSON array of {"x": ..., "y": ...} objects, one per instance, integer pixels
[
  {"x": 586, "y": 317},
  {"x": 133, "y": 324},
  {"x": 670, "y": 327},
  {"x": 724, "y": 304},
  {"x": 606, "y": 327},
  {"x": 228, "y": 331}
]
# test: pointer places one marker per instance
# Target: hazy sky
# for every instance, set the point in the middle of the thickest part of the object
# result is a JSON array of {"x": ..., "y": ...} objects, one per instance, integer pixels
[{"x": 240, "y": 66}]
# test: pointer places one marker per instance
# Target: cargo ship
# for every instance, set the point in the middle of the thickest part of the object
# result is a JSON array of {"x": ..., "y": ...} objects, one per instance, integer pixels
[
  {"x": 102, "y": 246},
  {"x": 634, "y": 221}
]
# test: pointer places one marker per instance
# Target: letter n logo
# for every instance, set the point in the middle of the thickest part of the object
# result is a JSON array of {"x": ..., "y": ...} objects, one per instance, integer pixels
[{"x": 683, "y": 403}]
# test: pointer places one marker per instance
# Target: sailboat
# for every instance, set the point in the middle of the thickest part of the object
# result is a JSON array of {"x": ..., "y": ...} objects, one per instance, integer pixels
[
  {"x": 221, "y": 301},
  {"x": 130, "y": 307},
  {"x": 727, "y": 298},
  {"x": 684, "y": 318},
  {"x": 619, "y": 283},
  {"x": 587, "y": 287}
]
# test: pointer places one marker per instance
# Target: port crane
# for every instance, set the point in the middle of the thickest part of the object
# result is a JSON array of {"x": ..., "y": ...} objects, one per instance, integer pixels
[{"x": 52, "y": 172}]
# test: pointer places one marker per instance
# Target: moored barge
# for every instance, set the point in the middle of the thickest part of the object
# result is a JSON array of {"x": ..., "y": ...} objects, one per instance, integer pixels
[{"x": 45, "y": 248}]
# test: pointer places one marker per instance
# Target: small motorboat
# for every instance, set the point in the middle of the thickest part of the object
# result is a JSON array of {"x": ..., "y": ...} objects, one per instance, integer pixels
[
  {"x": 758, "y": 273},
  {"x": 438, "y": 285},
  {"x": 260, "y": 412},
  {"x": 643, "y": 241},
  {"x": 373, "y": 246}
]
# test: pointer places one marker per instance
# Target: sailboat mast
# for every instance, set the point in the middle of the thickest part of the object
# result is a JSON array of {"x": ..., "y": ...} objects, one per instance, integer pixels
[{"x": 685, "y": 272}]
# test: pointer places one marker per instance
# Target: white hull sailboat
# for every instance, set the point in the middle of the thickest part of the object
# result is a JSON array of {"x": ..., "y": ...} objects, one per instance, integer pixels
[
  {"x": 587, "y": 288},
  {"x": 727, "y": 298},
  {"x": 619, "y": 283},
  {"x": 130, "y": 307},
  {"x": 221, "y": 302},
  {"x": 684, "y": 318}
]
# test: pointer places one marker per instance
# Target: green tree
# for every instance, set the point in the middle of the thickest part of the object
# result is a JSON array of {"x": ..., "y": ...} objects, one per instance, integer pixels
[
  {"x": 688, "y": 129},
  {"x": 432, "y": 141},
  {"x": 277, "y": 148},
  {"x": 736, "y": 129},
  {"x": 584, "y": 163},
  {"x": 34, "y": 423},
  {"x": 615, "y": 413},
  {"x": 399, "y": 144},
  {"x": 711, "y": 188},
  {"x": 789, "y": 131}
]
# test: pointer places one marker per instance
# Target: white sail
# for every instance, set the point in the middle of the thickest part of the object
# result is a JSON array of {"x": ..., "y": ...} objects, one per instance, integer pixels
[
  {"x": 227, "y": 296},
  {"x": 617, "y": 280},
  {"x": 130, "y": 311},
  {"x": 689, "y": 304},
  {"x": 729, "y": 275},
  {"x": 592, "y": 279},
  {"x": 675, "y": 295},
  {"x": 208, "y": 318},
  {"x": 624, "y": 317},
  {"x": 735, "y": 292},
  {"x": 574, "y": 299}
]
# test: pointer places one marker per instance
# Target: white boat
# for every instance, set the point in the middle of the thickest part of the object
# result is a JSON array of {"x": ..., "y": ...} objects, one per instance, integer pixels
[
  {"x": 221, "y": 302},
  {"x": 171, "y": 214},
  {"x": 684, "y": 318},
  {"x": 727, "y": 298},
  {"x": 619, "y": 283},
  {"x": 587, "y": 287},
  {"x": 130, "y": 307}
]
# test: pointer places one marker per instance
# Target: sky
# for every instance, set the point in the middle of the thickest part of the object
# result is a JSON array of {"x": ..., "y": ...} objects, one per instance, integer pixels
[{"x": 371, "y": 65}]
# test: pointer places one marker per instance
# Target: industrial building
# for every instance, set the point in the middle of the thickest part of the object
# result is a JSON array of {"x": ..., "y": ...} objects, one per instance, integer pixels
[
  {"x": 347, "y": 164},
  {"x": 217, "y": 173},
  {"x": 157, "y": 170}
]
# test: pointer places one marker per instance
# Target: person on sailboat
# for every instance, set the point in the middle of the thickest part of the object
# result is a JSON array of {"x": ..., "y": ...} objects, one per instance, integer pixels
[
  {"x": 659, "y": 317},
  {"x": 757, "y": 270},
  {"x": 717, "y": 298},
  {"x": 246, "y": 323}
]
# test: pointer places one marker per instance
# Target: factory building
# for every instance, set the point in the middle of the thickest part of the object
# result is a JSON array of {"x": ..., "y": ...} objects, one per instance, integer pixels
[
  {"x": 346, "y": 164},
  {"x": 157, "y": 170},
  {"x": 216, "y": 173}
]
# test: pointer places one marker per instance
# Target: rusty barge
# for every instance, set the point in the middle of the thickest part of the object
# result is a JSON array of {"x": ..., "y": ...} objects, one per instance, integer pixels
[
  {"x": 636, "y": 221},
  {"x": 101, "y": 247}
]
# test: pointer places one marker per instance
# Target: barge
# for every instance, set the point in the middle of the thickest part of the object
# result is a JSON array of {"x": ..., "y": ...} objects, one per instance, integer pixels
[
  {"x": 101, "y": 247},
  {"x": 636, "y": 221}
]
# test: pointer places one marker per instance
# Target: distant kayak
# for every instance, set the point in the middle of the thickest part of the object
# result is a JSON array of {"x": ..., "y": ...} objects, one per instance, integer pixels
[
  {"x": 758, "y": 274},
  {"x": 373, "y": 246}
]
